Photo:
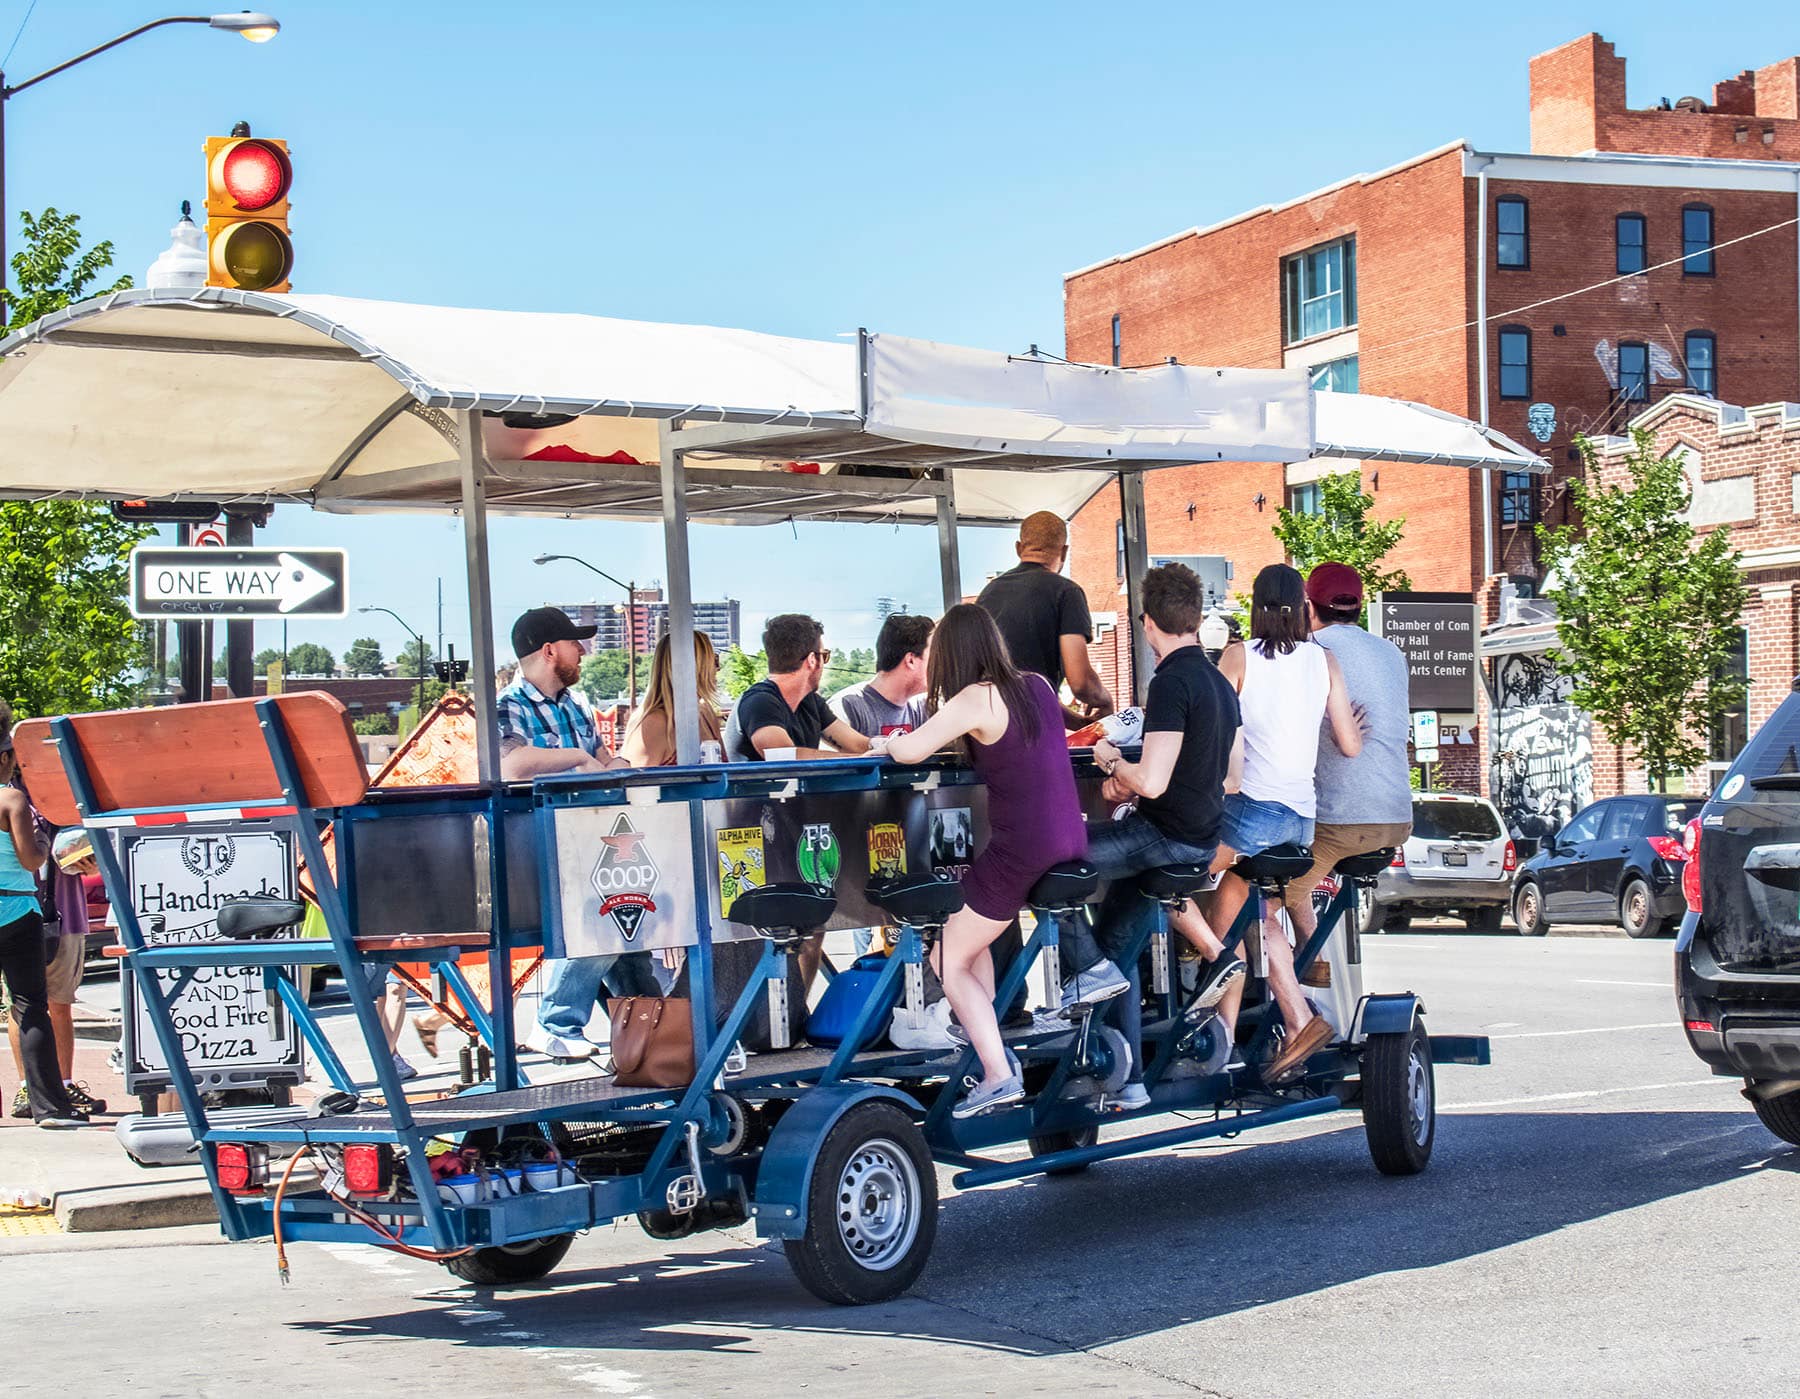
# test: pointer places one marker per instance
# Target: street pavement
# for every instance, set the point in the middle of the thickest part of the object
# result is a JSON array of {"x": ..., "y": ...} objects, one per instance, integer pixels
[{"x": 1600, "y": 1217}]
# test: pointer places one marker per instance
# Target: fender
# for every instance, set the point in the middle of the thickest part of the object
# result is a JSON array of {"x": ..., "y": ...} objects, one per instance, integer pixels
[
  {"x": 1389, "y": 1013},
  {"x": 783, "y": 1178}
]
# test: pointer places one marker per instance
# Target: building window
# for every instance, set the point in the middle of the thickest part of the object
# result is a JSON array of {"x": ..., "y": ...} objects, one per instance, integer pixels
[
  {"x": 1337, "y": 375},
  {"x": 1697, "y": 241},
  {"x": 1318, "y": 291},
  {"x": 1515, "y": 362},
  {"x": 1119, "y": 550},
  {"x": 1518, "y": 500},
  {"x": 1115, "y": 341},
  {"x": 1731, "y": 730},
  {"x": 1703, "y": 363},
  {"x": 1634, "y": 371},
  {"x": 1512, "y": 232},
  {"x": 1631, "y": 239},
  {"x": 1306, "y": 500}
]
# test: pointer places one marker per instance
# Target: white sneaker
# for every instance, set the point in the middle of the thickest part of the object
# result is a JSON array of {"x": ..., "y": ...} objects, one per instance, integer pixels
[
  {"x": 404, "y": 1069},
  {"x": 555, "y": 1046},
  {"x": 1100, "y": 982},
  {"x": 1130, "y": 1098}
]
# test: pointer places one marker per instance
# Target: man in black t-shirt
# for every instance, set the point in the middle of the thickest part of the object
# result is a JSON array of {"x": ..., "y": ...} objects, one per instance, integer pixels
[
  {"x": 785, "y": 711},
  {"x": 1044, "y": 617},
  {"x": 1191, "y": 751}
]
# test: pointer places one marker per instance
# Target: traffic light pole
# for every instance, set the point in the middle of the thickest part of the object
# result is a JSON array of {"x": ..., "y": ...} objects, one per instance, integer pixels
[{"x": 240, "y": 637}]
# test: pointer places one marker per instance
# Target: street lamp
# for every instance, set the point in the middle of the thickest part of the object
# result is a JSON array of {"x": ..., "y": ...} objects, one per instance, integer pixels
[
  {"x": 418, "y": 655},
  {"x": 257, "y": 28},
  {"x": 630, "y": 614}
]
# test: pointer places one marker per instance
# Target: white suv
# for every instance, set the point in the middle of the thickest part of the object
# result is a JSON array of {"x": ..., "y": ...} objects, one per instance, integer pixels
[{"x": 1458, "y": 860}]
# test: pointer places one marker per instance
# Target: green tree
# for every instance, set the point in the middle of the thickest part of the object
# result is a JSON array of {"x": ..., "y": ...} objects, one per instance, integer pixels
[
  {"x": 1648, "y": 611},
  {"x": 739, "y": 670},
  {"x": 378, "y": 723},
  {"x": 603, "y": 674},
  {"x": 67, "y": 642},
  {"x": 263, "y": 659},
  {"x": 415, "y": 658},
  {"x": 847, "y": 668},
  {"x": 1343, "y": 532},
  {"x": 364, "y": 657},
  {"x": 310, "y": 658}
]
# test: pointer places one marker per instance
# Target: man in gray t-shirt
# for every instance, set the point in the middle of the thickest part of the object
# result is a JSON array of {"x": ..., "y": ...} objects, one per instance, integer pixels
[
  {"x": 893, "y": 700},
  {"x": 1365, "y": 802}
]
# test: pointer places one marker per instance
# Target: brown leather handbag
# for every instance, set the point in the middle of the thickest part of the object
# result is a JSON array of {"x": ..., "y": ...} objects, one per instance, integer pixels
[{"x": 652, "y": 1041}]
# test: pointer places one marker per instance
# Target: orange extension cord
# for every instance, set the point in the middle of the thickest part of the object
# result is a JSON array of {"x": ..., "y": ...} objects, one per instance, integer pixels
[{"x": 394, "y": 1244}]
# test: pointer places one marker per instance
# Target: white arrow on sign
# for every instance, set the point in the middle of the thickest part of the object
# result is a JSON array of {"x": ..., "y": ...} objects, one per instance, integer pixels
[{"x": 290, "y": 582}]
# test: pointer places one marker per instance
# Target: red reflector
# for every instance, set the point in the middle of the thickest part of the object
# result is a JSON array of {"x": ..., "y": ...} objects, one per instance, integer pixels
[
  {"x": 1669, "y": 848},
  {"x": 1511, "y": 862},
  {"x": 254, "y": 175},
  {"x": 366, "y": 1170},
  {"x": 1705, "y": 1026},
  {"x": 1690, "y": 870},
  {"x": 243, "y": 1168},
  {"x": 1399, "y": 860}
]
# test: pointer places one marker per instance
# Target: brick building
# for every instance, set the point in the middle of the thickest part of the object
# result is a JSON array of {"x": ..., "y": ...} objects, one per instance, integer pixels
[{"x": 1631, "y": 254}]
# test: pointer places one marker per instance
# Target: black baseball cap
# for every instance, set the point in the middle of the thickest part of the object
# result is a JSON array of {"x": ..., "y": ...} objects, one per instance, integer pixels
[{"x": 537, "y": 628}]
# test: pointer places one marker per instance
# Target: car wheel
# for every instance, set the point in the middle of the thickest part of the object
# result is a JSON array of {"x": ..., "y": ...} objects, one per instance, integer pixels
[
  {"x": 1637, "y": 910},
  {"x": 1065, "y": 1140},
  {"x": 1399, "y": 1101},
  {"x": 510, "y": 1263},
  {"x": 1781, "y": 1115},
  {"x": 1372, "y": 918},
  {"x": 1528, "y": 910},
  {"x": 1483, "y": 920}
]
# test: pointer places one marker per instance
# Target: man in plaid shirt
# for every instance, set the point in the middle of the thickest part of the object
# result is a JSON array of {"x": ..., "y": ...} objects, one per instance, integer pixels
[{"x": 544, "y": 728}]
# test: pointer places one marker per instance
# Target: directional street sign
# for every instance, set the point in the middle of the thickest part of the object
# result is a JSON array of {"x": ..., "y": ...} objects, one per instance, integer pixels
[{"x": 212, "y": 582}]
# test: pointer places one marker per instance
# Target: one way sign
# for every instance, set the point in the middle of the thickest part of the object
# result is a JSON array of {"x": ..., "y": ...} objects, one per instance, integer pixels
[{"x": 238, "y": 582}]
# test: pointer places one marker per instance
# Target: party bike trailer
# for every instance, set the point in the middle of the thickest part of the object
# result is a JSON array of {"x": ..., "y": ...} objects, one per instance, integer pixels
[{"x": 829, "y": 1143}]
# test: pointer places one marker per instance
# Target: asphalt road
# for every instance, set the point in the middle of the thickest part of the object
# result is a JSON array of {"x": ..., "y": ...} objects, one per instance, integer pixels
[{"x": 1600, "y": 1217}]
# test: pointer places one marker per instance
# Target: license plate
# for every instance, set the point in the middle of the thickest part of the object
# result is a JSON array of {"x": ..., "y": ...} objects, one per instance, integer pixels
[{"x": 1456, "y": 857}]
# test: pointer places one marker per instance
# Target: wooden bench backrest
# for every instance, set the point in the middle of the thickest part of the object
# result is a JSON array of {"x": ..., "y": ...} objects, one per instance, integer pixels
[{"x": 195, "y": 755}]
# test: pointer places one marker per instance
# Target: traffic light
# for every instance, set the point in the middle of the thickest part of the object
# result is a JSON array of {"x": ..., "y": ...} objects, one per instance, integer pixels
[
  {"x": 162, "y": 512},
  {"x": 247, "y": 182}
]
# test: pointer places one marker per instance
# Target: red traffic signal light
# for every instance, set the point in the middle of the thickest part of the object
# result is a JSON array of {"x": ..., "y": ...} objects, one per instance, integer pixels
[
  {"x": 247, "y": 183},
  {"x": 198, "y": 512}
]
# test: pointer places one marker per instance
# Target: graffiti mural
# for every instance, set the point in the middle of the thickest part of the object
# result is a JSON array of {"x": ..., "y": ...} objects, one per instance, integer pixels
[
  {"x": 1529, "y": 678},
  {"x": 1543, "y": 767}
]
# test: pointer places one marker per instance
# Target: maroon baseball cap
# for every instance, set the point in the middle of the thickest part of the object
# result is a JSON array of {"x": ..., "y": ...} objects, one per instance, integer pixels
[{"x": 1335, "y": 585}]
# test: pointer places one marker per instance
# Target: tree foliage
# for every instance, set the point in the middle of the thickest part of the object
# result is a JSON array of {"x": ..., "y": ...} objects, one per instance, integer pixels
[
  {"x": 364, "y": 657},
  {"x": 847, "y": 668},
  {"x": 740, "y": 669},
  {"x": 604, "y": 675},
  {"x": 1343, "y": 532},
  {"x": 1648, "y": 611},
  {"x": 415, "y": 657},
  {"x": 67, "y": 642}
]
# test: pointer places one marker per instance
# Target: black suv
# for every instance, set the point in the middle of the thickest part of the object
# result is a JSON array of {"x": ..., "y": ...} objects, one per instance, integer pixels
[{"x": 1737, "y": 959}]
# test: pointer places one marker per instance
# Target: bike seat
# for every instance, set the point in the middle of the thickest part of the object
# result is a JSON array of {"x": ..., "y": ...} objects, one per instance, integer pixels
[
  {"x": 783, "y": 907},
  {"x": 1365, "y": 866},
  {"x": 1276, "y": 865},
  {"x": 1064, "y": 886},
  {"x": 1172, "y": 883},
  {"x": 257, "y": 918},
  {"x": 918, "y": 900}
]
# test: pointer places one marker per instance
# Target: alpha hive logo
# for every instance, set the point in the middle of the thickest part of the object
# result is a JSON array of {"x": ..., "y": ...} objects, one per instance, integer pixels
[{"x": 625, "y": 877}]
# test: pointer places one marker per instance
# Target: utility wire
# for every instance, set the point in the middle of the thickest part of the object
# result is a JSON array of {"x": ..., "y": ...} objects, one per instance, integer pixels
[{"x": 18, "y": 34}]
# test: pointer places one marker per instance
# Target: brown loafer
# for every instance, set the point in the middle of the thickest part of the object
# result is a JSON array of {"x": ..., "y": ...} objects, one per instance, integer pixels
[
  {"x": 1317, "y": 976},
  {"x": 1313, "y": 1036}
]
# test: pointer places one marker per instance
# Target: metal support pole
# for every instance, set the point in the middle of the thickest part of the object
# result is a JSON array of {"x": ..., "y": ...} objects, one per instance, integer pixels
[
  {"x": 631, "y": 641},
  {"x": 240, "y": 637},
  {"x": 949, "y": 559},
  {"x": 681, "y": 599},
  {"x": 1137, "y": 564},
  {"x": 473, "y": 461},
  {"x": 1481, "y": 367},
  {"x": 5, "y": 268}
]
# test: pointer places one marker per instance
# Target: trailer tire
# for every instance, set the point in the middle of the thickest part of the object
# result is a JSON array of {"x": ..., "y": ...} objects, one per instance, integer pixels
[
  {"x": 871, "y": 1209},
  {"x": 1781, "y": 1115},
  {"x": 1065, "y": 1140},
  {"x": 1399, "y": 1101},
  {"x": 511, "y": 1263}
]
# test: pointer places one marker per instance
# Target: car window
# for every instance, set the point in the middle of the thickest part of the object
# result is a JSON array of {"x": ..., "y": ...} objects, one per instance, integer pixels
[
  {"x": 1586, "y": 825},
  {"x": 1623, "y": 820},
  {"x": 1676, "y": 815},
  {"x": 1470, "y": 820},
  {"x": 1775, "y": 748}
]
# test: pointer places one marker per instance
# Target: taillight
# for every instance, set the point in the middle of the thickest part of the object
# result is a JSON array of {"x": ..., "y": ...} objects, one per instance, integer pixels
[
  {"x": 368, "y": 1170},
  {"x": 1690, "y": 871},
  {"x": 243, "y": 1167},
  {"x": 1399, "y": 860},
  {"x": 1511, "y": 861},
  {"x": 1669, "y": 848},
  {"x": 1701, "y": 1027}
]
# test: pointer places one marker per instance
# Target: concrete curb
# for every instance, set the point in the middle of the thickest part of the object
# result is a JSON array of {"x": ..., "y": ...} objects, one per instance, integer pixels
[{"x": 155, "y": 1206}]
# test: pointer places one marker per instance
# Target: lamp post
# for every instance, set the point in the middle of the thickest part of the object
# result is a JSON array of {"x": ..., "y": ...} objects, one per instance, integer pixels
[
  {"x": 257, "y": 28},
  {"x": 418, "y": 655},
  {"x": 630, "y": 614}
]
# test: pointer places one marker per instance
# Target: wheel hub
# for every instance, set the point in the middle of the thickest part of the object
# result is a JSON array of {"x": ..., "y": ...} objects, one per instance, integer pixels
[
  {"x": 1418, "y": 1094},
  {"x": 878, "y": 1204}
]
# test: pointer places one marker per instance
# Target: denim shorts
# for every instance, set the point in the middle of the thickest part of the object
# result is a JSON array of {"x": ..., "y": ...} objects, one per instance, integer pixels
[{"x": 1251, "y": 827}]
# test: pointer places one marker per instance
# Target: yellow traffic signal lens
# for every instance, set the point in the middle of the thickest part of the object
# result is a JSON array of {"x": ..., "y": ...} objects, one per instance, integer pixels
[
  {"x": 254, "y": 256},
  {"x": 254, "y": 174}
]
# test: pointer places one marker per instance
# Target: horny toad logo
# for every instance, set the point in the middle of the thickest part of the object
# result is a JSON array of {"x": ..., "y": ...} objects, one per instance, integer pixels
[{"x": 625, "y": 877}]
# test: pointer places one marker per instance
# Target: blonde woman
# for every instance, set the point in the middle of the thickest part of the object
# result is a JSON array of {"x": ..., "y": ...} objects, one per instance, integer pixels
[{"x": 650, "y": 740}]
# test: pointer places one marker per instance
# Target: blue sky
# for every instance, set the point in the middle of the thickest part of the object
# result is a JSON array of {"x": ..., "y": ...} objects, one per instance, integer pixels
[{"x": 922, "y": 169}]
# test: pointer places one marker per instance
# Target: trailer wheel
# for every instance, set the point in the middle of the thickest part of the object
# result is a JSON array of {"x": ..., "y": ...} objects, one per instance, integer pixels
[
  {"x": 1399, "y": 1101},
  {"x": 1065, "y": 1140},
  {"x": 1781, "y": 1115},
  {"x": 508, "y": 1263},
  {"x": 871, "y": 1209}
]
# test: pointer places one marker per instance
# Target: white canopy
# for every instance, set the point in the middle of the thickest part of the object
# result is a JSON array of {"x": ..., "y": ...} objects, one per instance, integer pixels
[{"x": 347, "y": 404}]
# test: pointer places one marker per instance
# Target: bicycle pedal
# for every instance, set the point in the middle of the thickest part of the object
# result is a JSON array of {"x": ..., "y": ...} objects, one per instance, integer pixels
[{"x": 684, "y": 1194}]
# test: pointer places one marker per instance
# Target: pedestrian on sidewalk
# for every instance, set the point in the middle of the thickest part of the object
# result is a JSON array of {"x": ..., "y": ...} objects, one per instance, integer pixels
[
  {"x": 22, "y": 953},
  {"x": 63, "y": 890}
]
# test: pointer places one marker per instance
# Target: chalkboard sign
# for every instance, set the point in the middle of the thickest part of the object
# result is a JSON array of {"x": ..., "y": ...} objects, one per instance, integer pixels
[{"x": 1436, "y": 633}]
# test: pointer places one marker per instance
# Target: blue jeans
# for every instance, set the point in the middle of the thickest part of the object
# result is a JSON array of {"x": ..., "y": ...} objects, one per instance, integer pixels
[
  {"x": 1250, "y": 826},
  {"x": 1119, "y": 850},
  {"x": 575, "y": 984}
]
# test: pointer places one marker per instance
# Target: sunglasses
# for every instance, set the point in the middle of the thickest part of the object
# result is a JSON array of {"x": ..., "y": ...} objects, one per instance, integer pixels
[{"x": 824, "y": 655}]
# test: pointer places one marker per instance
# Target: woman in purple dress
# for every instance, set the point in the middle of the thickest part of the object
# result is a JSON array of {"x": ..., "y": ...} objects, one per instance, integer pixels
[{"x": 1013, "y": 726}]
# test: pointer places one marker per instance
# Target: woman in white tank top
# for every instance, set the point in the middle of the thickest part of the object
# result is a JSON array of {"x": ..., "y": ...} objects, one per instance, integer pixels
[{"x": 1287, "y": 687}]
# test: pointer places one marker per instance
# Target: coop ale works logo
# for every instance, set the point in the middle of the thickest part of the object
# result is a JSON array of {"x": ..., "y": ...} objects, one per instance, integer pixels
[{"x": 626, "y": 877}]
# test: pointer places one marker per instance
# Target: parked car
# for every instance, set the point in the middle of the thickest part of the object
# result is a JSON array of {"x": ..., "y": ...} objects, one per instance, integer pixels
[
  {"x": 100, "y": 934},
  {"x": 1617, "y": 861},
  {"x": 1737, "y": 959},
  {"x": 1458, "y": 860}
]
